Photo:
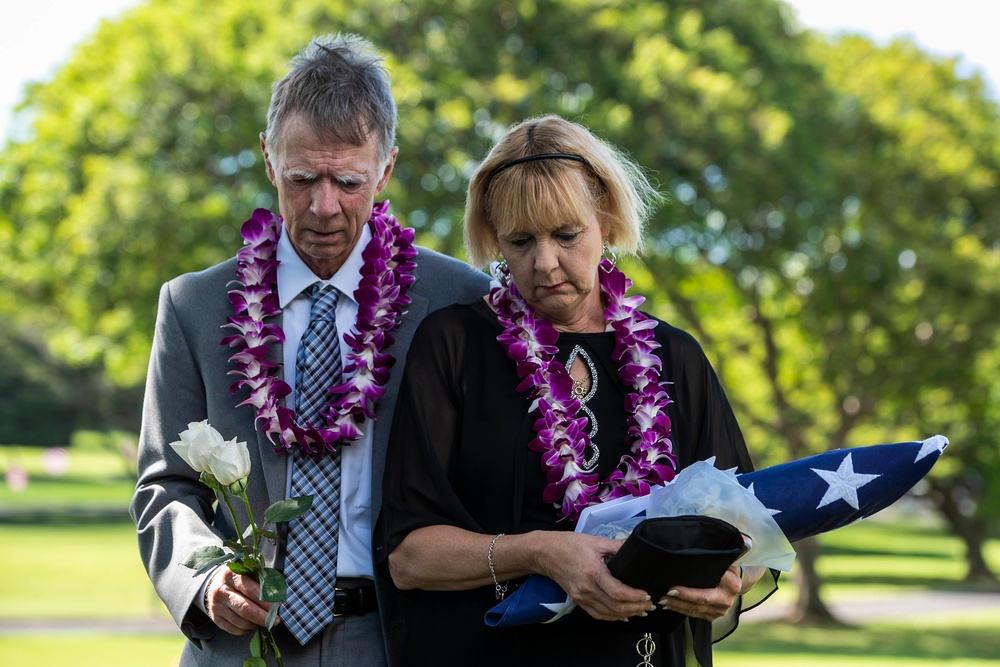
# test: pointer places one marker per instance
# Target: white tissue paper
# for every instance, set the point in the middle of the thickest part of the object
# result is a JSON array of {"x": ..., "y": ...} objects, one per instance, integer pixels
[{"x": 702, "y": 489}]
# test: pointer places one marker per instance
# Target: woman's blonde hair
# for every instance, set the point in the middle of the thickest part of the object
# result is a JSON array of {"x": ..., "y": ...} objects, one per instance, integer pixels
[{"x": 580, "y": 174}]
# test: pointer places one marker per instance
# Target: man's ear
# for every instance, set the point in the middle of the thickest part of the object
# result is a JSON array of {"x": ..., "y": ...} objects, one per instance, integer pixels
[
  {"x": 387, "y": 172},
  {"x": 267, "y": 159}
]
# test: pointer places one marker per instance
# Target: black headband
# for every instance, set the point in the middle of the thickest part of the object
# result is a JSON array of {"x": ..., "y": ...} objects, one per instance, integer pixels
[{"x": 530, "y": 158}]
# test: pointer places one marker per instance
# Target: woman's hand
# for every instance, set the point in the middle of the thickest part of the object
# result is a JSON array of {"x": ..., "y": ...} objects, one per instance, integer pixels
[
  {"x": 576, "y": 562},
  {"x": 705, "y": 603}
]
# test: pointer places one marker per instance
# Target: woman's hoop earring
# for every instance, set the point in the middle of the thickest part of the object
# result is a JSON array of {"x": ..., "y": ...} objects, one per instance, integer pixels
[
  {"x": 609, "y": 254},
  {"x": 499, "y": 270}
]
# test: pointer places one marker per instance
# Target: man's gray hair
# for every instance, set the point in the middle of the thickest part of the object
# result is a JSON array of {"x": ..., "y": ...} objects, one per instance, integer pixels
[{"x": 341, "y": 87}]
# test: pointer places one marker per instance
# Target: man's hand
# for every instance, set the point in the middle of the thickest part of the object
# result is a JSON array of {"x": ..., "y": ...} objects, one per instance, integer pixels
[{"x": 233, "y": 602}]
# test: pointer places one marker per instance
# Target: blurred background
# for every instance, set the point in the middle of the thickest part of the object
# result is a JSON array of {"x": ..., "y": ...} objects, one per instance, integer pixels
[{"x": 831, "y": 236}]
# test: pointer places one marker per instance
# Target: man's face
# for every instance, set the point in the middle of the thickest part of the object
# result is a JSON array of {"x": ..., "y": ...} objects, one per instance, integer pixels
[{"x": 326, "y": 190}]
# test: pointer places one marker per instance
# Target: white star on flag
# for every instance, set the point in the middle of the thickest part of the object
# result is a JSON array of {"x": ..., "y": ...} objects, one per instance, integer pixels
[
  {"x": 931, "y": 446},
  {"x": 899, "y": 466},
  {"x": 844, "y": 483},
  {"x": 560, "y": 609}
]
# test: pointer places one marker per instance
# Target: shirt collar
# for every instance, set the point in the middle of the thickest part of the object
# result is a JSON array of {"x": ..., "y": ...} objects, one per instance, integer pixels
[{"x": 294, "y": 276}]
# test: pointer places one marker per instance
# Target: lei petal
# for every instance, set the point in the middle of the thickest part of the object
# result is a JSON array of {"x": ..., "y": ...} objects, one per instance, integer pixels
[
  {"x": 530, "y": 342},
  {"x": 387, "y": 274}
]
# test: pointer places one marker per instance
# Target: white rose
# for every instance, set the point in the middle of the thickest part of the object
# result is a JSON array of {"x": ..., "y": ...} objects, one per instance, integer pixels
[
  {"x": 196, "y": 443},
  {"x": 229, "y": 461}
]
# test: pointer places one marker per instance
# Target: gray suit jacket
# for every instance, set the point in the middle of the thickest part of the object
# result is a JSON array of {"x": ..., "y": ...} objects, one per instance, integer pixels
[{"x": 188, "y": 381}]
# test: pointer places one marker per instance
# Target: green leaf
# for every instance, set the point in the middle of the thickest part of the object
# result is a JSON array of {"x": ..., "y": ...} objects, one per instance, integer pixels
[
  {"x": 272, "y": 616},
  {"x": 255, "y": 643},
  {"x": 254, "y": 662},
  {"x": 233, "y": 544},
  {"x": 248, "y": 532},
  {"x": 288, "y": 509},
  {"x": 268, "y": 533},
  {"x": 240, "y": 568},
  {"x": 206, "y": 558},
  {"x": 272, "y": 586}
]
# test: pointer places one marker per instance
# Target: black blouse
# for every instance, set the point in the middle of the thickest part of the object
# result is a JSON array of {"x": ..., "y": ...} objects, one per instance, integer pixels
[{"x": 458, "y": 455}]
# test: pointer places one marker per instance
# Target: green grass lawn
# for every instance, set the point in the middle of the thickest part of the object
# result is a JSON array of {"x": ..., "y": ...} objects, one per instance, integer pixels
[
  {"x": 889, "y": 554},
  {"x": 91, "y": 570},
  {"x": 962, "y": 640},
  {"x": 96, "y": 478},
  {"x": 66, "y": 566},
  {"x": 90, "y": 650}
]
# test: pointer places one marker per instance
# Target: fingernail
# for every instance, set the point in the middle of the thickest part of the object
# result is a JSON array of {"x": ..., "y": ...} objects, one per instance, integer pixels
[
  {"x": 651, "y": 607},
  {"x": 624, "y": 620},
  {"x": 672, "y": 593},
  {"x": 643, "y": 615},
  {"x": 647, "y": 598},
  {"x": 664, "y": 604}
]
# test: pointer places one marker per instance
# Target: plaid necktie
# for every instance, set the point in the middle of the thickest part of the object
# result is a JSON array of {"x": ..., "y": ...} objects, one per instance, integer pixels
[{"x": 311, "y": 557}]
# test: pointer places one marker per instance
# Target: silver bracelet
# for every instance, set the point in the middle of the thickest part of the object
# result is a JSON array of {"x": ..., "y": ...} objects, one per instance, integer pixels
[{"x": 500, "y": 591}]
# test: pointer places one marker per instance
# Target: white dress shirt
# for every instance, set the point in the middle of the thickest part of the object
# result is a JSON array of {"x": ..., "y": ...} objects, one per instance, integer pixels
[{"x": 354, "y": 553}]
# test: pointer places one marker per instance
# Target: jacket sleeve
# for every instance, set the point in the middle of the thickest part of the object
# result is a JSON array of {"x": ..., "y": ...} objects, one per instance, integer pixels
[{"x": 172, "y": 509}]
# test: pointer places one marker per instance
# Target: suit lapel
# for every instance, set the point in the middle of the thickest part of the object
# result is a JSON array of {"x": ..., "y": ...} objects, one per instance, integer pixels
[
  {"x": 380, "y": 435},
  {"x": 274, "y": 465}
]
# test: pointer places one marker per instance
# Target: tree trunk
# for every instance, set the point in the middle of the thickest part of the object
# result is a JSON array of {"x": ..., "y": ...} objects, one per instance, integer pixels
[
  {"x": 809, "y": 606},
  {"x": 972, "y": 530}
]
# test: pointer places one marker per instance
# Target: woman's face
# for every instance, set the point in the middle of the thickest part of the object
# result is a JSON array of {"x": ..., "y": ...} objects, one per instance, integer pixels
[{"x": 556, "y": 272}]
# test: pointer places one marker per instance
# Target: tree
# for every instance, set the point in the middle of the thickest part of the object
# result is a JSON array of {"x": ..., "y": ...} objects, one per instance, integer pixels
[
  {"x": 933, "y": 168},
  {"x": 39, "y": 409},
  {"x": 831, "y": 235}
]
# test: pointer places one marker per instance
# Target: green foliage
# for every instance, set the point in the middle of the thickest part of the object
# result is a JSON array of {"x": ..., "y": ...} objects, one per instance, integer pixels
[
  {"x": 204, "y": 559},
  {"x": 273, "y": 587},
  {"x": 831, "y": 237},
  {"x": 287, "y": 509},
  {"x": 38, "y": 408}
]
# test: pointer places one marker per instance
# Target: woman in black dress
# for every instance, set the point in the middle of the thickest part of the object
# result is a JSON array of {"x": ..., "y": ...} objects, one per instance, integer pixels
[{"x": 552, "y": 393}]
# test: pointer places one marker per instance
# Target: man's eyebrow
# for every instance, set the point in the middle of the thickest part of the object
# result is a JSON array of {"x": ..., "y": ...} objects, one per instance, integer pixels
[
  {"x": 299, "y": 173},
  {"x": 351, "y": 179}
]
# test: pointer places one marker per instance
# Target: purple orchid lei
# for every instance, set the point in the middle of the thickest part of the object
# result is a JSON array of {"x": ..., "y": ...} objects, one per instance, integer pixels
[
  {"x": 386, "y": 276},
  {"x": 561, "y": 437}
]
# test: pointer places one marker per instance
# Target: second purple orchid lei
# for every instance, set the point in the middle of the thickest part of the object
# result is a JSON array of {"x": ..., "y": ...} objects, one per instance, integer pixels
[
  {"x": 561, "y": 437},
  {"x": 386, "y": 276}
]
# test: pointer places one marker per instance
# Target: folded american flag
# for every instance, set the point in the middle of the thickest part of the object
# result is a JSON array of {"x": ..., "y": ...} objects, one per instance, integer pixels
[{"x": 806, "y": 497}]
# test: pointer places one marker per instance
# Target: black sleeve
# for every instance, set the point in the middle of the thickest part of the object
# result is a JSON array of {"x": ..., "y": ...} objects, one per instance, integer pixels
[{"x": 418, "y": 485}]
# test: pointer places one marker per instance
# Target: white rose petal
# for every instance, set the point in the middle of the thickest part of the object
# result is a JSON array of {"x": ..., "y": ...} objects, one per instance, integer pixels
[
  {"x": 229, "y": 461},
  {"x": 195, "y": 444}
]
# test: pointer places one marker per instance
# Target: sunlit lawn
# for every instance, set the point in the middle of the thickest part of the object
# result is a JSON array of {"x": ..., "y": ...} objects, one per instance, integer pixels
[
  {"x": 61, "y": 563},
  {"x": 88, "y": 568},
  {"x": 892, "y": 554},
  {"x": 94, "y": 478},
  {"x": 955, "y": 640},
  {"x": 83, "y": 569},
  {"x": 90, "y": 650}
]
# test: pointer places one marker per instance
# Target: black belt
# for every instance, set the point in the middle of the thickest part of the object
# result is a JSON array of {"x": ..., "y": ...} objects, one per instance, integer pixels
[{"x": 352, "y": 601}]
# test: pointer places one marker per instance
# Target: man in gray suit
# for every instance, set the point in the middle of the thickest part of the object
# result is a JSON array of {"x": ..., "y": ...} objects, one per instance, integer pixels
[{"x": 329, "y": 151}]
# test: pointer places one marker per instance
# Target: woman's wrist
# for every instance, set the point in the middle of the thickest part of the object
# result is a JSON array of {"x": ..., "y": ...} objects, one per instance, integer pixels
[{"x": 499, "y": 589}]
